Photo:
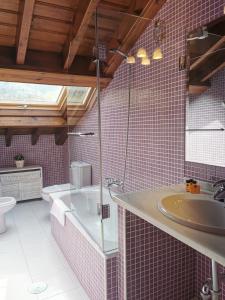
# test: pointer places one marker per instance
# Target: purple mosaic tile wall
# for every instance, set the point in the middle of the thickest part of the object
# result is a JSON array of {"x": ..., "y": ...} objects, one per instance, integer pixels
[
  {"x": 96, "y": 273},
  {"x": 203, "y": 271},
  {"x": 158, "y": 266},
  {"x": 155, "y": 152},
  {"x": 45, "y": 153},
  {"x": 156, "y": 141},
  {"x": 112, "y": 278}
]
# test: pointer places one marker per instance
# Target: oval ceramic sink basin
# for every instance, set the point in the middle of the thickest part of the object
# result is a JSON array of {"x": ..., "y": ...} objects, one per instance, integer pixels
[{"x": 196, "y": 211}]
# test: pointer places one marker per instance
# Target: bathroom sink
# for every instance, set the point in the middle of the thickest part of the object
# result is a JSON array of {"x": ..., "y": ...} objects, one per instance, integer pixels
[{"x": 200, "y": 211}]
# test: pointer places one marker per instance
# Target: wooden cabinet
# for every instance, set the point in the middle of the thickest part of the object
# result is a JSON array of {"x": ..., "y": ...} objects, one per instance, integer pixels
[{"x": 23, "y": 184}]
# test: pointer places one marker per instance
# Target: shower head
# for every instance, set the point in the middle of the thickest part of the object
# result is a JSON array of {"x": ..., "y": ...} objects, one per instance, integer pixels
[{"x": 114, "y": 50}]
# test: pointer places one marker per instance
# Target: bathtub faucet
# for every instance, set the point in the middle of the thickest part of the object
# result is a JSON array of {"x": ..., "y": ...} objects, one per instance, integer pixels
[{"x": 113, "y": 182}]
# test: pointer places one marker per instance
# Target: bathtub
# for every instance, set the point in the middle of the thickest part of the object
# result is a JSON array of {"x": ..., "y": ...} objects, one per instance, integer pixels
[
  {"x": 84, "y": 206},
  {"x": 89, "y": 244}
]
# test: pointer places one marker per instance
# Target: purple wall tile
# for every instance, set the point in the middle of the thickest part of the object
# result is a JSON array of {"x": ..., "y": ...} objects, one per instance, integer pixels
[
  {"x": 53, "y": 159},
  {"x": 96, "y": 273},
  {"x": 151, "y": 264}
]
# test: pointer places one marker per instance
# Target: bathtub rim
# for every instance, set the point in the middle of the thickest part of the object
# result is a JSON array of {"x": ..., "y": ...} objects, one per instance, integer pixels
[{"x": 72, "y": 218}]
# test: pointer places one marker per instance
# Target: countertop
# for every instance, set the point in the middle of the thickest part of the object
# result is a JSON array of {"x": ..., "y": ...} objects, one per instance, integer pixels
[
  {"x": 14, "y": 169},
  {"x": 144, "y": 204}
]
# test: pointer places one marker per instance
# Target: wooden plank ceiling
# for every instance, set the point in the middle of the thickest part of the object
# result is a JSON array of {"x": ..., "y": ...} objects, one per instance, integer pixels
[
  {"x": 206, "y": 56},
  {"x": 53, "y": 42}
]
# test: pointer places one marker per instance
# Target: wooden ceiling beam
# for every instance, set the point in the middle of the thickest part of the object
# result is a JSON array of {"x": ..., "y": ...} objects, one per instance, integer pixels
[
  {"x": 19, "y": 75},
  {"x": 61, "y": 136},
  {"x": 82, "y": 19},
  {"x": 8, "y": 122},
  {"x": 113, "y": 6},
  {"x": 8, "y": 137},
  {"x": 6, "y": 111},
  {"x": 46, "y": 68},
  {"x": 213, "y": 72},
  {"x": 205, "y": 71},
  {"x": 206, "y": 55},
  {"x": 24, "y": 30},
  {"x": 129, "y": 35},
  {"x": 35, "y": 136}
]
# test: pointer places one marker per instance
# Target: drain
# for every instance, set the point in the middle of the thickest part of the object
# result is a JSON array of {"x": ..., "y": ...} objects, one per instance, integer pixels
[{"x": 38, "y": 287}]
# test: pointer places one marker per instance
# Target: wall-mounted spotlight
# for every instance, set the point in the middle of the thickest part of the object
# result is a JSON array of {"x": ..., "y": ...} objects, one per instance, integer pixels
[
  {"x": 131, "y": 59},
  {"x": 141, "y": 53},
  {"x": 145, "y": 61}
]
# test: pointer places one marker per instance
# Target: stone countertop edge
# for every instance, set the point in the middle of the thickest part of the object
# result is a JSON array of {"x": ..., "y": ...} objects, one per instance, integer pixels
[{"x": 144, "y": 204}]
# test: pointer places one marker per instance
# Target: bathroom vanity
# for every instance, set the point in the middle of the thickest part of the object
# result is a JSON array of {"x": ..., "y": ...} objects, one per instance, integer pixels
[
  {"x": 145, "y": 205},
  {"x": 21, "y": 183}
]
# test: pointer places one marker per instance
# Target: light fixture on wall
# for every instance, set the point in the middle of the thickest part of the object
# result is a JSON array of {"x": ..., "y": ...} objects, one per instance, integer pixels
[
  {"x": 131, "y": 59},
  {"x": 157, "y": 54},
  {"x": 145, "y": 61},
  {"x": 142, "y": 53},
  {"x": 159, "y": 34}
]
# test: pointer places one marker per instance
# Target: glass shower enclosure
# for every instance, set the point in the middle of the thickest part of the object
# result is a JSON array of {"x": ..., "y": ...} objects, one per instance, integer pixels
[{"x": 99, "y": 121}]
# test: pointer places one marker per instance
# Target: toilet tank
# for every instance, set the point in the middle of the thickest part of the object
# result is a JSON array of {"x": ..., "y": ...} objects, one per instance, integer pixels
[{"x": 80, "y": 174}]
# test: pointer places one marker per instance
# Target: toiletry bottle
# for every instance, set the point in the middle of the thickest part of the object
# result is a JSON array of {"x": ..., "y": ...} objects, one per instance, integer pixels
[
  {"x": 195, "y": 187},
  {"x": 188, "y": 185}
]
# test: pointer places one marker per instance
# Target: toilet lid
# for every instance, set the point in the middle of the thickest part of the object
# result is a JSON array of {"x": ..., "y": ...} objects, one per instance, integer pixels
[{"x": 57, "y": 188}]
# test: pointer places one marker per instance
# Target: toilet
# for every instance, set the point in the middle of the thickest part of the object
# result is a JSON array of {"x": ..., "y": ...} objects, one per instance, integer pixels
[
  {"x": 80, "y": 176},
  {"x": 6, "y": 204}
]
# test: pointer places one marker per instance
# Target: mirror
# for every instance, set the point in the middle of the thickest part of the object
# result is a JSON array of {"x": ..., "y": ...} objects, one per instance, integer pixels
[{"x": 205, "y": 105}]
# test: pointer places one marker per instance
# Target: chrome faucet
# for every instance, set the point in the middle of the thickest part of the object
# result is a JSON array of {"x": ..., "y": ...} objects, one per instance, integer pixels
[
  {"x": 111, "y": 181},
  {"x": 219, "y": 190}
]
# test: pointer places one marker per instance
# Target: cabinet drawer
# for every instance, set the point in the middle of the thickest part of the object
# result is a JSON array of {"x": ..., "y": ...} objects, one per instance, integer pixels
[
  {"x": 17, "y": 177},
  {"x": 11, "y": 191},
  {"x": 30, "y": 190}
]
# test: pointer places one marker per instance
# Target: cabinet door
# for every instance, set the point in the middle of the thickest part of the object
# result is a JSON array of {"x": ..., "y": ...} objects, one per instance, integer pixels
[
  {"x": 11, "y": 190},
  {"x": 30, "y": 190}
]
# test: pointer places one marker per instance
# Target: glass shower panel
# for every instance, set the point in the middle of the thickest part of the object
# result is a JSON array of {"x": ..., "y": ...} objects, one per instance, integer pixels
[
  {"x": 116, "y": 34},
  {"x": 83, "y": 143},
  {"x": 99, "y": 121}
]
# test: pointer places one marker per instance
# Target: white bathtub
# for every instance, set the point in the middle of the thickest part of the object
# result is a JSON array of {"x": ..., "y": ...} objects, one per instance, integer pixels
[{"x": 84, "y": 206}]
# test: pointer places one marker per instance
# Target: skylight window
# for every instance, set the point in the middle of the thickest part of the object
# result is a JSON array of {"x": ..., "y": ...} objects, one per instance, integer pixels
[
  {"x": 77, "y": 95},
  {"x": 28, "y": 93},
  {"x": 24, "y": 95}
]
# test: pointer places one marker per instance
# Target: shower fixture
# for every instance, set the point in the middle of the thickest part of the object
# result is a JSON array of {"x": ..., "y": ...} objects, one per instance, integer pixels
[{"x": 81, "y": 134}]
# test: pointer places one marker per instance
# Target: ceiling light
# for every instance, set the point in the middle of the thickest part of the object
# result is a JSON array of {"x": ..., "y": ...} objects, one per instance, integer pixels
[
  {"x": 131, "y": 60},
  {"x": 141, "y": 53},
  {"x": 145, "y": 61},
  {"x": 157, "y": 54}
]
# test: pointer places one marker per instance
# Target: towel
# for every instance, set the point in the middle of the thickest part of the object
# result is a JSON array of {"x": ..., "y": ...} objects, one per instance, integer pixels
[{"x": 58, "y": 210}]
